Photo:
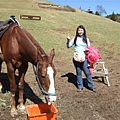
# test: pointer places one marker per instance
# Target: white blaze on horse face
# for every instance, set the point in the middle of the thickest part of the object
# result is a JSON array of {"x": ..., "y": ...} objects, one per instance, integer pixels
[{"x": 50, "y": 72}]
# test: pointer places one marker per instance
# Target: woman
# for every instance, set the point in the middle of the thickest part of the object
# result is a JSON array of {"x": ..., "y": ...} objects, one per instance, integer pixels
[{"x": 80, "y": 41}]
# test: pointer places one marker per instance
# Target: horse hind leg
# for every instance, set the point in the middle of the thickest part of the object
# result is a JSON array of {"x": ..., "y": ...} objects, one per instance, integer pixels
[
  {"x": 13, "y": 87},
  {"x": 22, "y": 71}
]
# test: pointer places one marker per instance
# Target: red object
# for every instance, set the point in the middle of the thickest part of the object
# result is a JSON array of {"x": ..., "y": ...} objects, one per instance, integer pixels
[
  {"x": 92, "y": 56},
  {"x": 41, "y": 112}
]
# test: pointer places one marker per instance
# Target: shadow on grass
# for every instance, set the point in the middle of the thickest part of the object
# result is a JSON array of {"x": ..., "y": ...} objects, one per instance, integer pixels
[
  {"x": 99, "y": 79},
  {"x": 28, "y": 92},
  {"x": 73, "y": 79}
]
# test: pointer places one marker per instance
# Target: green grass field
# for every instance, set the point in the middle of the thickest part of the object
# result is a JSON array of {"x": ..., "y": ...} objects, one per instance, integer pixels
[{"x": 52, "y": 30}]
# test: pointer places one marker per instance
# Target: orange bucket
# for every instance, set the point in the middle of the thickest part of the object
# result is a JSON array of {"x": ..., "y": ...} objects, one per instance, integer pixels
[{"x": 41, "y": 112}]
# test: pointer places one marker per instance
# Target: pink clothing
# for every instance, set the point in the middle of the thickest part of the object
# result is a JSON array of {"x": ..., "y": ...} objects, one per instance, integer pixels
[{"x": 92, "y": 56}]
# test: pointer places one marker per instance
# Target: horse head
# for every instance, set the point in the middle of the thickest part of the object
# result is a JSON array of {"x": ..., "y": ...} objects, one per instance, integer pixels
[{"x": 45, "y": 77}]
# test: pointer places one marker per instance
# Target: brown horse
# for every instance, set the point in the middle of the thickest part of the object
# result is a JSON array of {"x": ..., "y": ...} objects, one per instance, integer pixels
[{"x": 19, "y": 48}]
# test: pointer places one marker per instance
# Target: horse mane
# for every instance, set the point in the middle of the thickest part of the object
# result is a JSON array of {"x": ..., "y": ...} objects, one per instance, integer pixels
[
  {"x": 37, "y": 45},
  {"x": 28, "y": 42},
  {"x": 35, "y": 42}
]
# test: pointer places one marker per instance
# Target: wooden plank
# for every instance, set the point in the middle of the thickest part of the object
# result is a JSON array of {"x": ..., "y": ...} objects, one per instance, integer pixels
[{"x": 30, "y": 17}]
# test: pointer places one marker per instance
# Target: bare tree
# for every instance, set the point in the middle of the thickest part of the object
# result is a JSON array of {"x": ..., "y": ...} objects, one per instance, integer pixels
[{"x": 101, "y": 10}]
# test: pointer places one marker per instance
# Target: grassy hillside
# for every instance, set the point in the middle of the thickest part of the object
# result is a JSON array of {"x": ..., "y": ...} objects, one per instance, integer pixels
[{"x": 52, "y": 30}]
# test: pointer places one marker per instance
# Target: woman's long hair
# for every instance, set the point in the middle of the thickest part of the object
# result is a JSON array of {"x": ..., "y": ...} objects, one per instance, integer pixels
[{"x": 84, "y": 34}]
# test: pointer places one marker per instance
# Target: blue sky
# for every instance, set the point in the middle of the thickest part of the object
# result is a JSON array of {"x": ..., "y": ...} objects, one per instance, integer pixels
[{"x": 109, "y": 5}]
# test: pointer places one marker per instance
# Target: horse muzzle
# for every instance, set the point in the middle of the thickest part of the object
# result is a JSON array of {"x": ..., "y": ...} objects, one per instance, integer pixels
[{"x": 50, "y": 99}]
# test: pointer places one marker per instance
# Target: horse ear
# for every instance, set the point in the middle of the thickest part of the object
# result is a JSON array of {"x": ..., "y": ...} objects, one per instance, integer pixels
[{"x": 52, "y": 54}]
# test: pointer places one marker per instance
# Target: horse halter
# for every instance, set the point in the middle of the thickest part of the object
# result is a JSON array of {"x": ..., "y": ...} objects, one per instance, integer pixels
[{"x": 38, "y": 81}]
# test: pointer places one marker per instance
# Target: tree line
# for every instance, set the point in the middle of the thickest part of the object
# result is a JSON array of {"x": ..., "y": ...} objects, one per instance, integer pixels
[
  {"x": 100, "y": 11},
  {"x": 113, "y": 16}
]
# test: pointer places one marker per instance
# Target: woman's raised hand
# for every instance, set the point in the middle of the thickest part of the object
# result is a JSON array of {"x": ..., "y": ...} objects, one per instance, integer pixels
[{"x": 68, "y": 39}]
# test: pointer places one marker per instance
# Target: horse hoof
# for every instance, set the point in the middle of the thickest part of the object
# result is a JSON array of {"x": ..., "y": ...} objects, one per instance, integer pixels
[
  {"x": 13, "y": 114},
  {"x": 22, "y": 110}
]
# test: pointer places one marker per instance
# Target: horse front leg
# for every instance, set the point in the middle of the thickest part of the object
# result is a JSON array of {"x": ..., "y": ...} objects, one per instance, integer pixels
[
  {"x": 22, "y": 71},
  {"x": 1, "y": 61},
  {"x": 13, "y": 87}
]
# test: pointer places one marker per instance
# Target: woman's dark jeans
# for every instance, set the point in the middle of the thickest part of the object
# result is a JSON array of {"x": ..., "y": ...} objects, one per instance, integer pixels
[{"x": 79, "y": 66}]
